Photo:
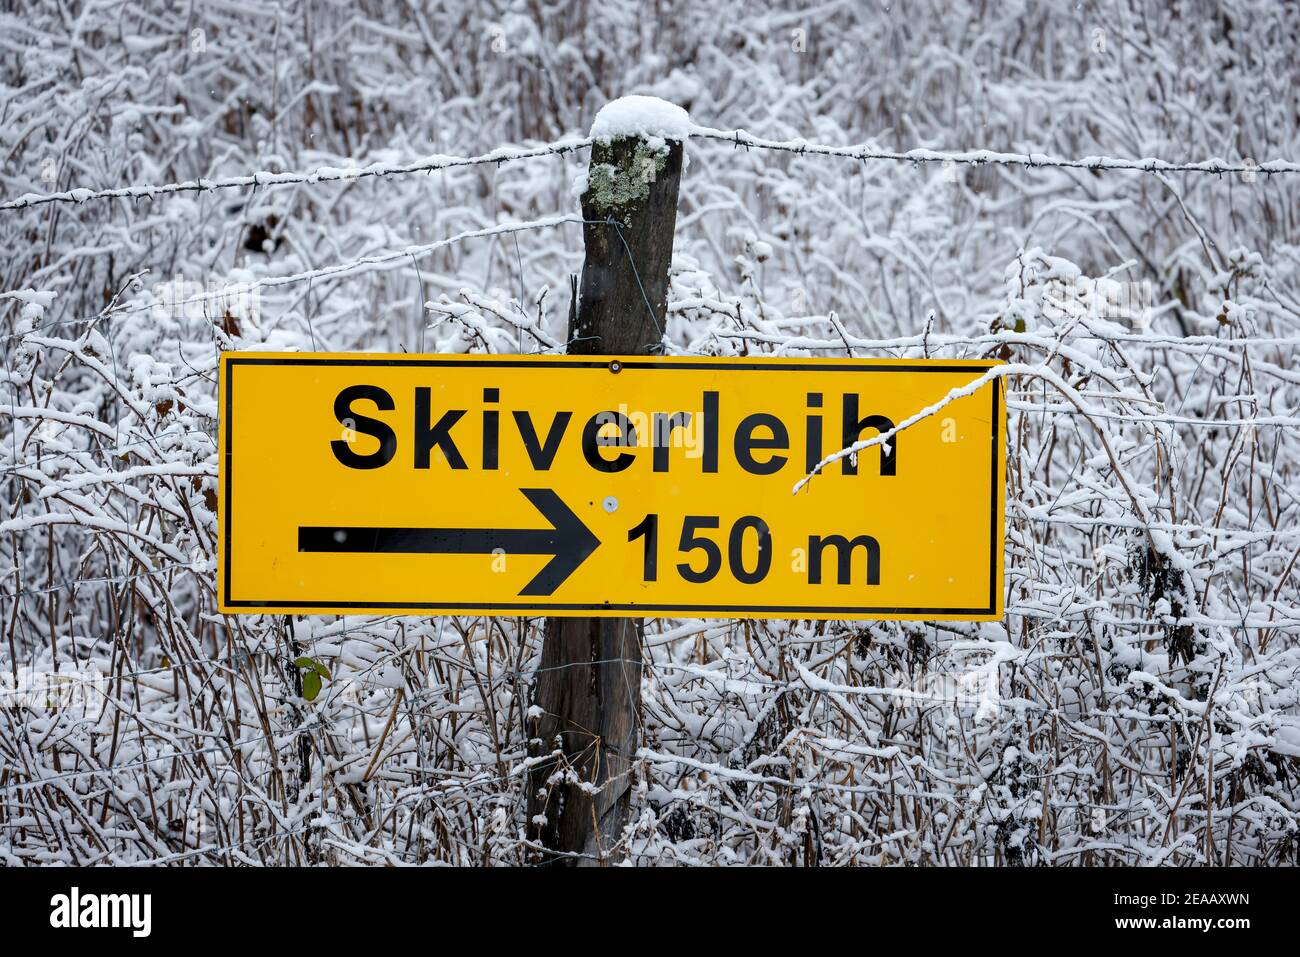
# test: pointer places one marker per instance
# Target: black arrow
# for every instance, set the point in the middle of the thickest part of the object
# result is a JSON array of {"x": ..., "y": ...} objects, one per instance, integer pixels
[{"x": 568, "y": 540}]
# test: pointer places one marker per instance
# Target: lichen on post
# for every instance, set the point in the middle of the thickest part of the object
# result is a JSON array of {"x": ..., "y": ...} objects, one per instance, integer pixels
[{"x": 630, "y": 204}]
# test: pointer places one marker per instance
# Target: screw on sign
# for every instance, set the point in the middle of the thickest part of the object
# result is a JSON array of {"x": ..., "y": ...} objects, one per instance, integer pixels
[{"x": 381, "y": 483}]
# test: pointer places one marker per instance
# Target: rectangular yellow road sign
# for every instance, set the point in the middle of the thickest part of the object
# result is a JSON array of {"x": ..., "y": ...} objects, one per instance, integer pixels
[{"x": 593, "y": 485}]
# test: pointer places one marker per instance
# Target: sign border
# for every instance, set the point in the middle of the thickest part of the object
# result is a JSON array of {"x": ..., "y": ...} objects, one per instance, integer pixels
[{"x": 992, "y": 611}]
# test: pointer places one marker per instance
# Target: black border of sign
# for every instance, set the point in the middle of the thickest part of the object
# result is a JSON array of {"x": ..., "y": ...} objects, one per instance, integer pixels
[{"x": 792, "y": 611}]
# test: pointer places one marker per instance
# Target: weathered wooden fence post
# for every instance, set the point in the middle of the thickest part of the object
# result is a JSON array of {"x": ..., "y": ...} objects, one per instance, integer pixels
[{"x": 589, "y": 682}]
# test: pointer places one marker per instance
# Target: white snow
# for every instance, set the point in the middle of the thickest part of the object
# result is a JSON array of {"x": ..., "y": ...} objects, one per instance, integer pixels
[{"x": 646, "y": 116}]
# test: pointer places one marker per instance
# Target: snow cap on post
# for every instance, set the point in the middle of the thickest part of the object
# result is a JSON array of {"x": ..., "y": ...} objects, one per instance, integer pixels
[
  {"x": 646, "y": 117},
  {"x": 633, "y": 140}
]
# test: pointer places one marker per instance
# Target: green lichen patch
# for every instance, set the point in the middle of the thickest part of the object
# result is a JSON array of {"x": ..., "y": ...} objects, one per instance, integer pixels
[{"x": 612, "y": 188}]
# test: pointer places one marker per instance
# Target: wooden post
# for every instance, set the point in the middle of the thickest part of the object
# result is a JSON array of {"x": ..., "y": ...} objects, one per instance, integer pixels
[{"x": 589, "y": 682}]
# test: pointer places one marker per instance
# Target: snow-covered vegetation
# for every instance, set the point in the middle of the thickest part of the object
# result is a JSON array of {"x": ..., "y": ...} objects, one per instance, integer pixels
[{"x": 389, "y": 175}]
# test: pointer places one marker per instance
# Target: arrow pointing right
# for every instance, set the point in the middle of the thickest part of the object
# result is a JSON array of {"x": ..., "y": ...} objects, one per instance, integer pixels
[{"x": 568, "y": 540}]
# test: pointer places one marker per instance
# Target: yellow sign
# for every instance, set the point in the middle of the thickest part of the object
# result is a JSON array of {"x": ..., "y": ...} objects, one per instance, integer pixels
[{"x": 577, "y": 485}]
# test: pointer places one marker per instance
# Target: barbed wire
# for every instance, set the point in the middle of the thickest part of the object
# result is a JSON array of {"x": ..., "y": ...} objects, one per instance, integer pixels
[
  {"x": 739, "y": 138},
  {"x": 324, "y": 174},
  {"x": 1007, "y": 337},
  {"x": 984, "y": 157},
  {"x": 323, "y": 272}
]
